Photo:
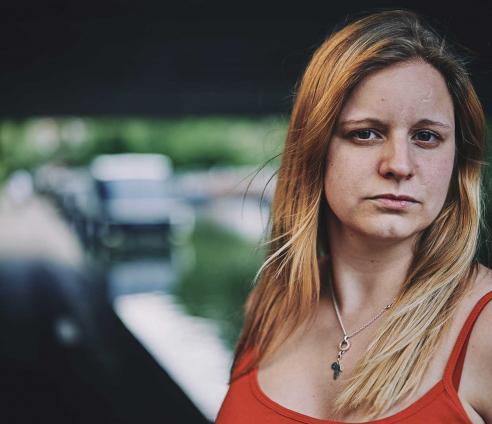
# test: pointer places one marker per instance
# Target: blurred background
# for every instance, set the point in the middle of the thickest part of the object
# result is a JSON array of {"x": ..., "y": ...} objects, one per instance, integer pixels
[{"x": 138, "y": 148}]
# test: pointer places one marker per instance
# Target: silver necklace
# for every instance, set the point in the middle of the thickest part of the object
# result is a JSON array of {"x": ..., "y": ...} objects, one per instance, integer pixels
[{"x": 344, "y": 345}]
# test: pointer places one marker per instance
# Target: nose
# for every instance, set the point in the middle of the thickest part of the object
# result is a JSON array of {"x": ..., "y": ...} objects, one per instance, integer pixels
[{"x": 396, "y": 159}]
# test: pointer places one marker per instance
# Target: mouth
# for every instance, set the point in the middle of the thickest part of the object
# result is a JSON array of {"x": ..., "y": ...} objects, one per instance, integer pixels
[
  {"x": 402, "y": 197},
  {"x": 393, "y": 202}
]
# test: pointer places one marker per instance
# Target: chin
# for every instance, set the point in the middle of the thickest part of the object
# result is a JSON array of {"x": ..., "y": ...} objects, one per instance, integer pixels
[{"x": 390, "y": 232}]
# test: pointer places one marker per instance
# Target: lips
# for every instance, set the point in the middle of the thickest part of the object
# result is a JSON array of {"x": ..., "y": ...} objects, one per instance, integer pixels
[
  {"x": 393, "y": 202},
  {"x": 401, "y": 197}
]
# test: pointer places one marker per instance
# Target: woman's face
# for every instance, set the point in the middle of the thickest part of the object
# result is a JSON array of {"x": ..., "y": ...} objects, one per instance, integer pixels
[{"x": 394, "y": 136}]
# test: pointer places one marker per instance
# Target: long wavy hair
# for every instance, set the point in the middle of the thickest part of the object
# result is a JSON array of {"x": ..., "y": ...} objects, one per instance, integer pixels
[{"x": 287, "y": 286}]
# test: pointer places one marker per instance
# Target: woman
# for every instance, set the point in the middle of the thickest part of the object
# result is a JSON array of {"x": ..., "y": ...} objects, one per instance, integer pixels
[{"x": 371, "y": 293}]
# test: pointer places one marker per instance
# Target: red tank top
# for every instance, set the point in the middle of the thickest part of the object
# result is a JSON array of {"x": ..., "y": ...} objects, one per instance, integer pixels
[{"x": 246, "y": 403}]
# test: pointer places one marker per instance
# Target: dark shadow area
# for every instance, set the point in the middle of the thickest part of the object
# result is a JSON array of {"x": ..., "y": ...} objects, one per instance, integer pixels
[
  {"x": 66, "y": 357},
  {"x": 190, "y": 57}
]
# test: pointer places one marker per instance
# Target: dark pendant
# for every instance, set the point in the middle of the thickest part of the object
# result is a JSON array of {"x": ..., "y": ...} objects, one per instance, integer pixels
[
  {"x": 342, "y": 348},
  {"x": 337, "y": 369}
]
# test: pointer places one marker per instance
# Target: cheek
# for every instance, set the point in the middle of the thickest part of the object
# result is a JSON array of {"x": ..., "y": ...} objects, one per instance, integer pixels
[
  {"x": 342, "y": 178},
  {"x": 437, "y": 176},
  {"x": 335, "y": 173}
]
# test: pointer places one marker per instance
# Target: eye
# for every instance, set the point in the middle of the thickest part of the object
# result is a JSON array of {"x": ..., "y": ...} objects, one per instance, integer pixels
[
  {"x": 364, "y": 134},
  {"x": 427, "y": 137}
]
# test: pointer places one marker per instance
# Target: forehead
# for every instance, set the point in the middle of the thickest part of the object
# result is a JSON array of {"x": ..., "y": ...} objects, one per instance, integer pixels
[{"x": 401, "y": 92}]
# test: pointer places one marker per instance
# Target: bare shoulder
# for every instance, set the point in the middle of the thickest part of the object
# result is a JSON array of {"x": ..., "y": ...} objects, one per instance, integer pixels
[
  {"x": 483, "y": 282},
  {"x": 479, "y": 351},
  {"x": 485, "y": 276}
]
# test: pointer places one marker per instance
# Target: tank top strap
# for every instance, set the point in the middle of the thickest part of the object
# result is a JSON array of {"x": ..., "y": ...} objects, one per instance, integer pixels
[{"x": 455, "y": 363}]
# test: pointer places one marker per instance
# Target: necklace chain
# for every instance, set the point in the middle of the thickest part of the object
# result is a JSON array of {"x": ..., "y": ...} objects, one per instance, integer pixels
[
  {"x": 365, "y": 325},
  {"x": 344, "y": 345}
]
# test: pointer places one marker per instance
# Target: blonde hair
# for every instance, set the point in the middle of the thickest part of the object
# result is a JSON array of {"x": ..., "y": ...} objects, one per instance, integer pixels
[{"x": 288, "y": 284}]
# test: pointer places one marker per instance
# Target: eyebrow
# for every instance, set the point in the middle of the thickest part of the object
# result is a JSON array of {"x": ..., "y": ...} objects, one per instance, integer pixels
[{"x": 383, "y": 124}]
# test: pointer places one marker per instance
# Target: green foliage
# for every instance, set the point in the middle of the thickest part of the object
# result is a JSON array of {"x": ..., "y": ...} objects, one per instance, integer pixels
[
  {"x": 190, "y": 142},
  {"x": 219, "y": 282}
]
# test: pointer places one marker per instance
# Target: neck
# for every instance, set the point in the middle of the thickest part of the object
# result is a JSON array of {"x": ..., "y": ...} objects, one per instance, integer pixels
[{"x": 367, "y": 273}]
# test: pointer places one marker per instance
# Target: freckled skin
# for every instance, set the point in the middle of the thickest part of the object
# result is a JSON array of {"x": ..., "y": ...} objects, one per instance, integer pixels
[{"x": 396, "y": 159}]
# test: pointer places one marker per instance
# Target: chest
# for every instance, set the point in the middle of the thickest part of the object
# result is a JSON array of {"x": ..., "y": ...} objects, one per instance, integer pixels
[{"x": 305, "y": 362}]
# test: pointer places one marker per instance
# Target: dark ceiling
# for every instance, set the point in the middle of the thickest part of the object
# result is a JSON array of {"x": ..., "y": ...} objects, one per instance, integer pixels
[{"x": 187, "y": 57}]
